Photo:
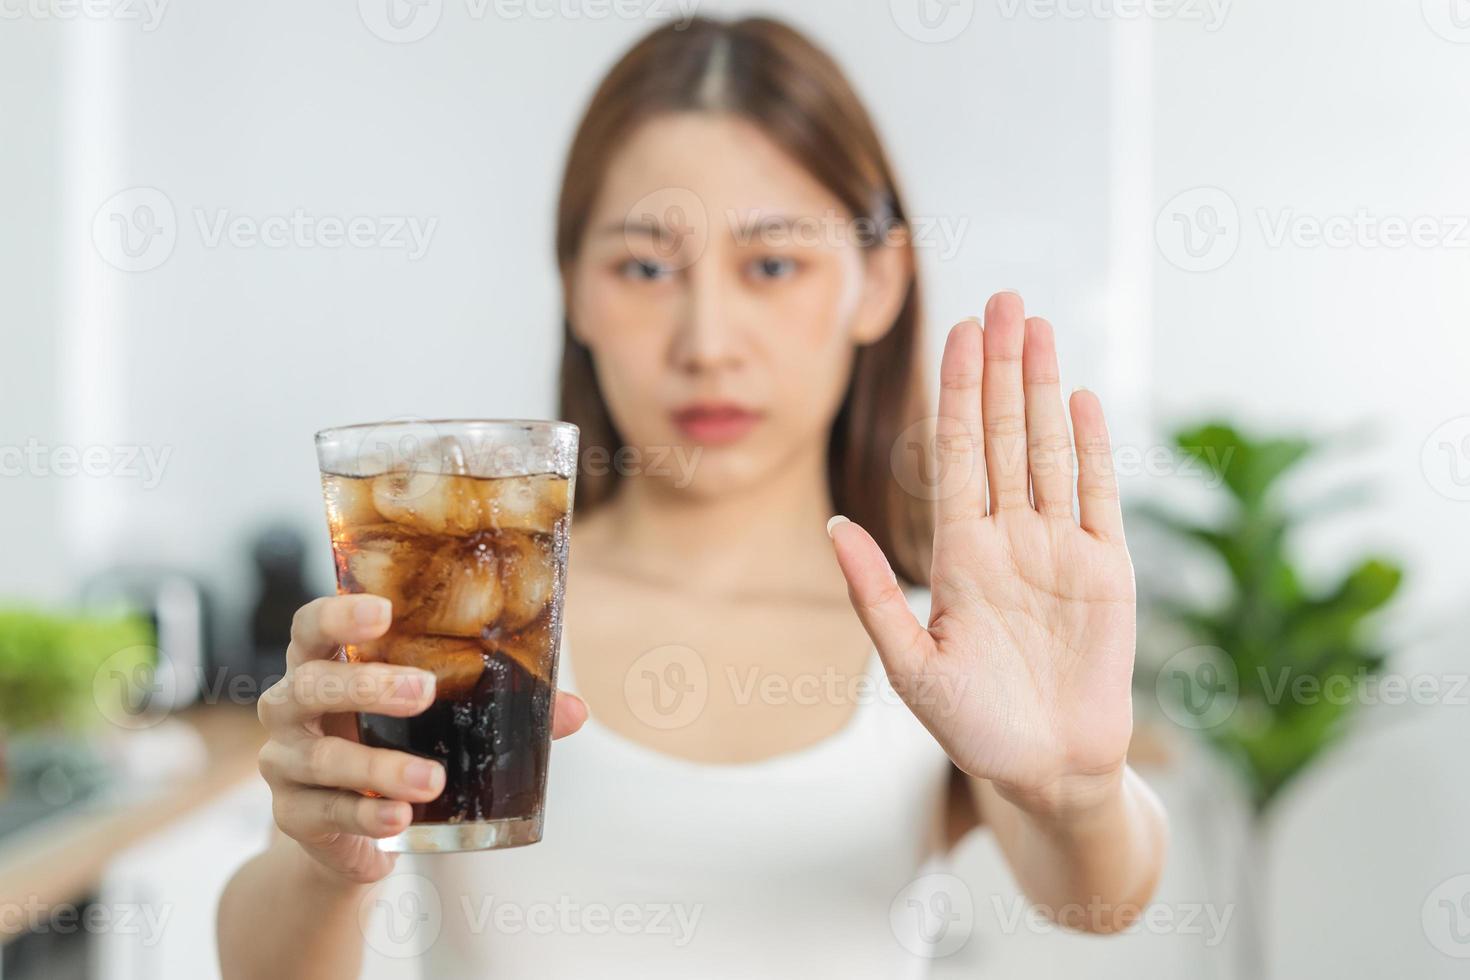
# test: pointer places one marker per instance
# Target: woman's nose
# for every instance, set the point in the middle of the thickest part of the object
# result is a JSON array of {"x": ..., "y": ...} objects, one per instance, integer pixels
[{"x": 707, "y": 337}]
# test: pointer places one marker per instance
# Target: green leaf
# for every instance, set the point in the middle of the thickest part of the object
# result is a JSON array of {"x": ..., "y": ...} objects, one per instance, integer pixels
[
  {"x": 1266, "y": 464},
  {"x": 1369, "y": 586},
  {"x": 1247, "y": 467},
  {"x": 1215, "y": 445}
]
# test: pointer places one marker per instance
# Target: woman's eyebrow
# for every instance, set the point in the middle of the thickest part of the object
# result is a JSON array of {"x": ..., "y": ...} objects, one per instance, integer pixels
[
  {"x": 649, "y": 228},
  {"x": 744, "y": 227}
]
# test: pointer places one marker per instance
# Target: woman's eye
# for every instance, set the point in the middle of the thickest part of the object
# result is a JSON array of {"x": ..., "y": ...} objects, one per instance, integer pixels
[
  {"x": 773, "y": 267},
  {"x": 644, "y": 270}
]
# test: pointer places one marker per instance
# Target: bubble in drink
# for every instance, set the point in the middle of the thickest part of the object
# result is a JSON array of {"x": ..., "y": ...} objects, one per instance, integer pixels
[{"x": 471, "y": 565}]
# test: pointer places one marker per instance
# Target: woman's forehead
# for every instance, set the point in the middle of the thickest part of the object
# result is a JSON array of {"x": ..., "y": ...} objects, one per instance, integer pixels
[{"x": 720, "y": 162}]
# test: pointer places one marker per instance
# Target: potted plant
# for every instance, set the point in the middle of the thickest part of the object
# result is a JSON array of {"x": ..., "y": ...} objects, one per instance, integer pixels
[{"x": 1266, "y": 672}]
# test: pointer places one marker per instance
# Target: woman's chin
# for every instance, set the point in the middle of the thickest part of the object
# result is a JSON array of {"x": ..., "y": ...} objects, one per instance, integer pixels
[{"x": 705, "y": 474}]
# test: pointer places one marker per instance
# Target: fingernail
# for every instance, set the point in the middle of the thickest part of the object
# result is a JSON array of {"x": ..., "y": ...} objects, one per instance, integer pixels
[
  {"x": 421, "y": 774},
  {"x": 412, "y": 687},
  {"x": 371, "y": 610},
  {"x": 1080, "y": 388},
  {"x": 835, "y": 520},
  {"x": 390, "y": 813}
]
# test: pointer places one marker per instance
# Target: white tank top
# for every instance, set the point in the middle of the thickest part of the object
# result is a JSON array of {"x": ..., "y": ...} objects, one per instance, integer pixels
[{"x": 653, "y": 866}]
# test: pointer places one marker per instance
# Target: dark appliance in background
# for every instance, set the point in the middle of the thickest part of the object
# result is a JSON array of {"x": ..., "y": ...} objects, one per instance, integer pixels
[
  {"x": 279, "y": 555},
  {"x": 198, "y": 659}
]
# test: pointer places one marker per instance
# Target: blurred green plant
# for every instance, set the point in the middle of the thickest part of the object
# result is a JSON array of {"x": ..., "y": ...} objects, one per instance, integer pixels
[
  {"x": 1296, "y": 657},
  {"x": 51, "y": 668}
]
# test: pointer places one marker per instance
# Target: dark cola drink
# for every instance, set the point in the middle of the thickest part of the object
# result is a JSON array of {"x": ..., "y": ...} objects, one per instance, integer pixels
[{"x": 474, "y": 567}]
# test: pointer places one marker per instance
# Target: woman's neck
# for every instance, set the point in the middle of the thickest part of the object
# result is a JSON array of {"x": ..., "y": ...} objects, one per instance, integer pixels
[{"x": 766, "y": 536}]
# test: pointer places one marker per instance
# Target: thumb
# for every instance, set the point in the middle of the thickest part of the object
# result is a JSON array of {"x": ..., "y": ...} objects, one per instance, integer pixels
[
  {"x": 877, "y": 599},
  {"x": 568, "y": 714}
]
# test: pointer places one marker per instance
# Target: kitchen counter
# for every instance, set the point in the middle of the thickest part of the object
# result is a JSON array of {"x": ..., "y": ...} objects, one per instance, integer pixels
[{"x": 60, "y": 860}]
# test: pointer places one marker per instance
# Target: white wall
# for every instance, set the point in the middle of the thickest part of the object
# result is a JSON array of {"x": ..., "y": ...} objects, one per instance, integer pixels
[
  {"x": 30, "y": 105},
  {"x": 1319, "y": 109},
  {"x": 1325, "y": 108}
]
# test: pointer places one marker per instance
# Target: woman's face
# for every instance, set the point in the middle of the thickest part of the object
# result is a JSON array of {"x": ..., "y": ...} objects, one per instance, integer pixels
[{"x": 723, "y": 291}]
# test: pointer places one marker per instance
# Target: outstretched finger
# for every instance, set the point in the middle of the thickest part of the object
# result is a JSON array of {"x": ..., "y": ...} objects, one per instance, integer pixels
[
  {"x": 877, "y": 599},
  {"x": 1003, "y": 403},
  {"x": 958, "y": 439},
  {"x": 1097, "y": 485},
  {"x": 1048, "y": 445}
]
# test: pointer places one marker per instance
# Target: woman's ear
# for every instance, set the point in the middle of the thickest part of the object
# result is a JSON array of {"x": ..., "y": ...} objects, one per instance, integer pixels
[{"x": 888, "y": 271}]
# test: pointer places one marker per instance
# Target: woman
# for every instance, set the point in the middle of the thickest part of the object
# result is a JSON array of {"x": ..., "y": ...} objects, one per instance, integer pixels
[{"x": 743, "y": 323}]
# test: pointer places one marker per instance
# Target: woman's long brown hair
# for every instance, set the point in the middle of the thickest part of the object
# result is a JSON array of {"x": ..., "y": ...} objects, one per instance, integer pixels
[{"x": 768, "y": 74}]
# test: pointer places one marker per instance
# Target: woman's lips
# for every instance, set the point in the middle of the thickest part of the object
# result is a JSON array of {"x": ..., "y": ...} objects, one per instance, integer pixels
[{"x": 715, "y": 425}]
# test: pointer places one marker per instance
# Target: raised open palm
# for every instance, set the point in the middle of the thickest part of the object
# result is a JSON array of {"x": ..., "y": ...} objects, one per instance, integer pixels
[{"x": 1023, "y": 674}]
